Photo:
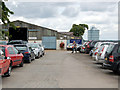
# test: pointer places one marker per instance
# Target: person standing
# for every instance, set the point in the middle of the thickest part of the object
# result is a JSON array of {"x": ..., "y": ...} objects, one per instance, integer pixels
[{"x": 74, "y": 47}]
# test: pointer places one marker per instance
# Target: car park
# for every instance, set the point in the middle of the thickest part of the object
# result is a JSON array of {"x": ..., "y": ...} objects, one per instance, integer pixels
[
  {"x": 112, "y": 58},
  {"x": 27, "y": 52},
  {"x": 14, "y": 54},
  {"x": 5, "y": 65},
  {"x": 37, "y": 49}
]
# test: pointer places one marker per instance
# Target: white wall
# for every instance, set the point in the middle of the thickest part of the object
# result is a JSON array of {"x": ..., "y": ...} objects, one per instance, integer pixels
[{"x": 58, "y": 44}]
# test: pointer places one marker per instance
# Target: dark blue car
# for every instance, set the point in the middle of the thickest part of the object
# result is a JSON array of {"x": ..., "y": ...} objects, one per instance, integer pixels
[{"x": 27, "y": 52}]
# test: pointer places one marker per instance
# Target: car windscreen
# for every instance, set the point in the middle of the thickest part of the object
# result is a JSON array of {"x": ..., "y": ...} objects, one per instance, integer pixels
[
  {"x": 110, "y": 48},
  {"x": 96, "y": 45},
  {"x": 21, "y": 48},
  {"x": 34, "y": 45},
  {"x": 93, "y": 43}
]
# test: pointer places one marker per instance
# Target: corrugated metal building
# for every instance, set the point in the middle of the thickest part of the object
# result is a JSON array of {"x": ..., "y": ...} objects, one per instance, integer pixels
[
  {"x": 93, "y": 34},
  {"x": 37, "y": 32}
]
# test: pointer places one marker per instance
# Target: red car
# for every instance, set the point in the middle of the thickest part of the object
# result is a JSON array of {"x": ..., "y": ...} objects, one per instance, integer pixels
[
  {"x": 5, "y": 67},
  {"x": 12, "y": 53}
]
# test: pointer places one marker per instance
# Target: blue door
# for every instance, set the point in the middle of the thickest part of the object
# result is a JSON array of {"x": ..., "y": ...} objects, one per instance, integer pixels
[{"x": 49, "y": 42}]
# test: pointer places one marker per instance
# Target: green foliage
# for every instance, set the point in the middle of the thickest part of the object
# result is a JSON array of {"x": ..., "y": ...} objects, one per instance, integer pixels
[
  {"x": 4, "y": 17},
  {"x": 79, "y": 30},
  {"x": 5, "y": 13},
  {"x": 3, "y": 34}
]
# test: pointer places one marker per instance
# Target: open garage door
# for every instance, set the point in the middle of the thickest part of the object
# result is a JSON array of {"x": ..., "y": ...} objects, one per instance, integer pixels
[{"x": 49, "y": 42}]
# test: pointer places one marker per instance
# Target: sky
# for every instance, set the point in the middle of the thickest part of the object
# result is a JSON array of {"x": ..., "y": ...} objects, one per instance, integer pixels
[{"x": 62, "y": 15}]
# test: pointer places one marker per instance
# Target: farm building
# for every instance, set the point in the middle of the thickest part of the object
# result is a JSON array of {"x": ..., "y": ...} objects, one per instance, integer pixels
[{"x": 42, "y": 34}]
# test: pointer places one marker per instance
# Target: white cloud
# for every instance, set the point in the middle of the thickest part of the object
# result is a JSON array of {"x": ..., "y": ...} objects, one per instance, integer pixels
[{"x": 61, "y": 16}]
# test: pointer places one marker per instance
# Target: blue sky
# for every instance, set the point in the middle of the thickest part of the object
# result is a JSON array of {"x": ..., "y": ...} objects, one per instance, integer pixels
[{"x": 61, "y": 15}]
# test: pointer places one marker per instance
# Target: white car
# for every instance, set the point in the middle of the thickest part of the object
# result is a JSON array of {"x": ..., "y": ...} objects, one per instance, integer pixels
[
  {"x": 101, "y": 53},
  {"x": 43, "y": 50},
  {"x": 37, "y": 49},
  {"x": 95, "y": 50},
  {"x": 70, "y": 46}
]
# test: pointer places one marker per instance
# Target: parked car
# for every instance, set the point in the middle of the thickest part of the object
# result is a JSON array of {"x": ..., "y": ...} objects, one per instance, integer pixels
[
  {"x": 27, "y": 52},
  {"x": 12, "y": 42},
  {"x": 5, "y": 64},
  {"x": 82, "y": 50},
  {"x": 90, "y": 46},
  {"x": 37, "y": 49},
  {"x": 100, "y": 57},
  {"x": 112, "y": 58},
  {"x": 95, "y": 49},
  {"x": 70, "y": 46},
  {"x": 98, "y": 47},
  {"x": 14, "y": 54},
  {"x": 43, "y": 49}
]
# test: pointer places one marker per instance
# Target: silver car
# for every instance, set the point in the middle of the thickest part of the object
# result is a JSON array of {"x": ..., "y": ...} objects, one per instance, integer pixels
[{"x": 37, "y": 49}]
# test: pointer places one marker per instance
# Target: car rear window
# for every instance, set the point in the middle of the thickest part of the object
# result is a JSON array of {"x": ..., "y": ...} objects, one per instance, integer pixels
[
  {"x": 110, "y": 48},
  {"x": 21, "y": 47},
  {"x": 14, "y": 43},
  {"x": 34, "y": 45}
]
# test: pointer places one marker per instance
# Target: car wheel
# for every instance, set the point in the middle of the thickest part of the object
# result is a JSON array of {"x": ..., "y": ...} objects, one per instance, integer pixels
[
  {"x": 7, "y": 74},
  {"x": 38, "y": 54},
  {"x": 43, "y": 53},
  {"x": 29, "y": 61},
  {"x": 34, "y": 57},
  {"x": 21, "y": 64},
  {"x": 115, "y": 71},
  {"x": 118, "y": 69}
]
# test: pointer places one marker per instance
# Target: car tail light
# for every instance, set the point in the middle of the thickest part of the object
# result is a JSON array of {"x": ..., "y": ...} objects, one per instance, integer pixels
[
  {"x": 72, "y": 46},
  {"x": 96, "y": 53},
  {"x": 26, "y": 52},
  {"x": 103, "y": 49},
  {"x": 111, "y": 58},
  {"x": 88, "y": 46},
  {"x": 83, "y": 48},
  {"x": 100, "y": 54}
]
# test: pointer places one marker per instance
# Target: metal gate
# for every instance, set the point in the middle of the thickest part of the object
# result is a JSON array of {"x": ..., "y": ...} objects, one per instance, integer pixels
[{"x": 49, "y": 42}]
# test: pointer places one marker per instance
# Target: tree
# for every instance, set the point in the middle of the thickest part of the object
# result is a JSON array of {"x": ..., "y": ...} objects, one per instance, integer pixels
[
  {"x": 4, "y": 13},
  {"x": 79, "y": 30},
  {"x": 4, "y": 17}
]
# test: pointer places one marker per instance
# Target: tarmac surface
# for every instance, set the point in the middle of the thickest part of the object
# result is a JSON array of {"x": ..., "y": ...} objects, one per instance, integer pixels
[{"x": 61, "y": 69}]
